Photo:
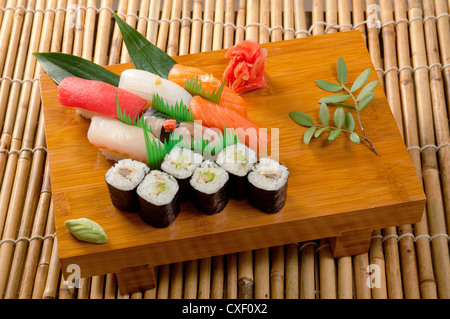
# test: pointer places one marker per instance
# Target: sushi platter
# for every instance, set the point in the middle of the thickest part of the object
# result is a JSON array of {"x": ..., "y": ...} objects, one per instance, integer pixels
[{"x": 340, "y": 190}]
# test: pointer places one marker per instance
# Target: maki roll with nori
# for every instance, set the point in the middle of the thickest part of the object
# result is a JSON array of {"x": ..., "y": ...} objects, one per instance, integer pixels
[
  {"x": 158, "y": 202},
  {"x": 181, "y": 163},
  {"x": 268, "y": 182},
  {"x": 209, "y": 188},
  {"x": 122, "y": 180},
  {"x": 237, "y": 160}
]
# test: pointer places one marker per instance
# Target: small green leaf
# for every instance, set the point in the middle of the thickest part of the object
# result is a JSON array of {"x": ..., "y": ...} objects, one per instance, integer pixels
[
  {"x": 336, "y": 98},
  {"x": 345, "y": 105},
  {"x": 320, "y": 131},
  {"x": 354, "y": 138},
  {"x": 339, "y": 117},
  {"x": 349, "y": 122},
  {"x": 301, "y": 118},
  {"x": 341, "y": 70},
  {"x": 324, "y": 114},
  {"x": 333, "y": 134},
  {"x": 366, "y": 90},
  {"x": 309, "y": 134},
  {"x": 328, "y": 86},
  {"x": 365, "y": 101},
  {"x": 359, "y": 82}
]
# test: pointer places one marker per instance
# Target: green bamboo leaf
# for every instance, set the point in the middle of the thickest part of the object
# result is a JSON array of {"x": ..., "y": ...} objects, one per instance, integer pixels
[
  {"x": 324, "y": 114},
  {"x": 339, "y": 117},
  {"x": 328, "y": 86},
  {"x": 359, "y": 82},
  {"x": 345, "y": 105},
  {"x": 354, "y": 138},
  {"x": 333, "y": 134},
  {"x": 365, "y": 101},
  {"x": 336, "y": 98},
  {"x": 320, "y": 131},
  {"x": 349, "y": 122},
  {"x": 60, "y": 65},
  {"x": 341, "y": 70},
  {"x": 143, "y": 54},
  {"x": 308, "y": 134},
  {"x": 301, "y": 118},
  {"x": 366, "y": 90}
]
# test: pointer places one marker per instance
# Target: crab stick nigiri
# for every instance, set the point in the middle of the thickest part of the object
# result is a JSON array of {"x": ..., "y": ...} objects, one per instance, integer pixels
[
  {"x": 145, "y": 84},
  {"x": 229, "y": 99},
  {"x": 98, "y": 97},
  {"x": 213, "y": 115}
]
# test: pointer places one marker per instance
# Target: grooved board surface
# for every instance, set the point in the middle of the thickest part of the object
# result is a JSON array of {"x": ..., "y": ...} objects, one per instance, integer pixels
[{"x": 333, "y": 187}]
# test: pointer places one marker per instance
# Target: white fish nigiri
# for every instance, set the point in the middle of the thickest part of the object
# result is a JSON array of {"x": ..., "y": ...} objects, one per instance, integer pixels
[
  {"x": 145, "y": 84},
  {"x": 117, "y": 140}
]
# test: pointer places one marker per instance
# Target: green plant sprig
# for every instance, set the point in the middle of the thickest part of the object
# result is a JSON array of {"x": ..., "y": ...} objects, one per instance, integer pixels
[{"x": 341, "y": 118}]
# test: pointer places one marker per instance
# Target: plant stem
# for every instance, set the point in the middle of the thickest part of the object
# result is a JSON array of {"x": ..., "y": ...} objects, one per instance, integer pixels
[{"x": 359, "y": 120}]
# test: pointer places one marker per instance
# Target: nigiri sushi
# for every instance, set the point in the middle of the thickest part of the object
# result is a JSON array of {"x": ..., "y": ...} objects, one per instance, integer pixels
[
  {"x": 179, "y": 74},
  {"x": 213, "y": 115},
  {"x": 117, "y": 140},
  {"x": 146, "y": 84},
  {"x": 98, "y": 98}
]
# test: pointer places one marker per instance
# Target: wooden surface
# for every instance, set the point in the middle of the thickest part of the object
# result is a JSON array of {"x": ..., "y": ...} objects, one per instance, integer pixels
[
  {"x": 334, "y": 188},
  {"x": 408, "y": 44}
]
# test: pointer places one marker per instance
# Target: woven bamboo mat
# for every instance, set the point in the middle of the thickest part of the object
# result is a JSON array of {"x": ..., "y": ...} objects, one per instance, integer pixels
[{"x": 409, "y": 42}]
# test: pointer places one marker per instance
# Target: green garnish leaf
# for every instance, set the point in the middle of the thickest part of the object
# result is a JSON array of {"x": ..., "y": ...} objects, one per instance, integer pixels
[
  {"x": 359, "y": 82},
  {"x": 155, "y": 150},
  {"x": 309, "y": 134},
  {"x": 144, "y": 55},
  {"x": 179, "y": 111},
  {"x": 333, "y": 134},
  {"x": 320, "y": 131},
  {"x": 365, "y": 101},
  {"x": 328, "y": 86},
  {"x": 339, "y": 117},
  {"x": 341, "y": 70},
  {"x": 349, "y": 122},
  {"x": 366, "y": 90},
  {"x": 61, "y": 65},
  {"x": 336, "y": 98},
  {"x": 344, "y": 105},
  {"x": 194, "y": 86},
  {"x": 324, "y": 114},
  {"x": 301, "y": 118},
  {"x": 354, "y": 138}
]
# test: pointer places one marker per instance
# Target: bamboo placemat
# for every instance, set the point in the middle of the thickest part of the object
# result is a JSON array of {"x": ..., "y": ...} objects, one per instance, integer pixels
[{"x": 409, "y": 42}]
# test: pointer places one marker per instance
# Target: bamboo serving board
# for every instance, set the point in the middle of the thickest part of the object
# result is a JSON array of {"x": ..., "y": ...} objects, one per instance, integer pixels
[{"x": 336, "y": 190}]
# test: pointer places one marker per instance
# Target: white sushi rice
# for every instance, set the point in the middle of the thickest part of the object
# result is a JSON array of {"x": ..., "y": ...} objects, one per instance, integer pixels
[
  {"x": 220, "y": 177},
  {"x": 158, "y": 188},
  {"x": 237, "y": 159},
  {"x": 268, "y": 174},
  {"x": 181, "y": 162},
  {"x": 126, "y": 174}
]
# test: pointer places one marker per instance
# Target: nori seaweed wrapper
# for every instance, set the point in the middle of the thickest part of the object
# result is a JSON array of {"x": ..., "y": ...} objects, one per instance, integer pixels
[
  {"x": 210, "y": 203},
  {"x": 185, "y": 191},
  {"x": 159, "y": 216},
  {"x": 124, "y": 200},
  {"x": 238, "y": 186},
  {"x": 267, "y": 201}
]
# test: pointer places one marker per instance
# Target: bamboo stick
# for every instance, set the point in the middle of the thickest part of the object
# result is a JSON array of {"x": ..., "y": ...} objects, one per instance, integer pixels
[
  {"x": 176, "y": 281},
  {"x": 132, "y": 21},
  {"x": 110, "y": 286},
  {"x": 358, "y": 17},
  {"x": 103, "y": 29},
  {"x": 245, "y": 275},
  {"x": 89, "y": 30},
  {"x": 408, "y": 258},
  {"x": 2, "y": 5},
  {"x": 69, "y": 26},
  {"x": 204, "y": 279},
  {"x": 262, "y": 274},
  {"x": 344, "y": 278},
  {"x": 360, "y": 268},
  {"x": 288, "y": 18},
  {"x": 317, "y": 17},
  {"x": 393, "y": 277},
  {"x": 5, "y": 32},
  {"x": 153, "y": 24},
  {"x": 276, "y": 20},
  {"x": 65, "y": 292},
  {"x": 292, "y": 272},
  {"x": 435, "y": 207},
  {"x": 240, "y": 21},
  {"x": 151, "y": 293},
  {"x": 307, "y": 270},
  {"x": 277, "y": 276},
  {"x": 228, "y": 31},
  {"x": 345, "y": 19},
  {"x": 53, "y": 275},
  {"x": 300, "y": 18},
  {"x": 80, "y": 16},
  {"x": 377, "y": 259},
  {"x": 252, "y": 16},
  {"x": 141, "y": 26},
  {"x": 372, "y": 12},
  {"x": 425, "y": 266},
  {"x": 265, "y": 16},
  {"x": 207, "y": 30},
  {"x": 217, "y": 280},
  {"x": 161, "y": 42},
  {"x": 331, "y": 16},
  {"x": 174, "y": 29},
  {"x": 97, "y": 286},
  {"x": 443, "y": 28},
  {"x": 185, "y": 29},
  {"x": 117, "y": 40},
  {"x": 84, "y": 289},
  {"x": 163, "y": 282},
  {"x": 196, "y": 28},
  {"x": 232, "y": 277},
  {"x": 191, "y": 279},
  {"x": 327, "y": 272}
]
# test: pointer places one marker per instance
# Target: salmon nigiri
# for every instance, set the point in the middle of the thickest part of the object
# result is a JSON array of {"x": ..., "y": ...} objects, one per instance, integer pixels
[
  {"x": 214, "y": 115},
  {"x": 229, "y": 99}
]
